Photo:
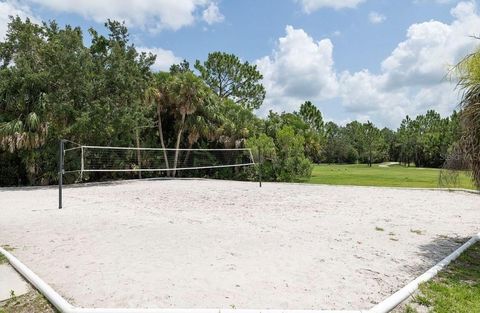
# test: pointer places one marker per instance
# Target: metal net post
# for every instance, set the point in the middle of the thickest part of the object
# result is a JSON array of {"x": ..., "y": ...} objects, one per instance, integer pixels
[
  {"x": 60, "y": 173},
  {"x": 260, "y": 166}
]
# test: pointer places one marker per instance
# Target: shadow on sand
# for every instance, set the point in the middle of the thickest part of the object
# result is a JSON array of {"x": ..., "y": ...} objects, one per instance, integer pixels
[
  {"x": 91, "y": 184},
  {"x": 433, "y": 252}
]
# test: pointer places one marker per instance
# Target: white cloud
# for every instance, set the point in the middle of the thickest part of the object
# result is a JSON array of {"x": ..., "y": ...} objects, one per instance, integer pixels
[
  {"x": 376, "y": 18},
  {"x": 298, "y": 69},
  {"x": 310, "y": 6},
  {"x": 412, "y": 78},
  {"x": 436, "y": 1},
  {"x": 212, "y": 14},
  {"x": 165, "y": 58},
  {"x": 431, "y": 48},
  {"x": 336, "y": 33},
  {"x": 12, "y": 8},
  {"x": 153, "y": 15},
  {"x": 363, "y": 97}
]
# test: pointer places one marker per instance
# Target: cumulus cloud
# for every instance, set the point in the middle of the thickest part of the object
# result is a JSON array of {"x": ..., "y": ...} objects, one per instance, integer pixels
[
  {"x": 299, "y": 68},
  {"x": 363, "y": 97},
  {"x": 165, "y": 58},
  {"x": 412, "y": 78},
  {"x": 12, "y": 8},
  {"x": 153, "y": 15},
  {"x": 310, "y": 6},
  {"x": 376, "y": 18},
  {"x": 431, "y": 48},
  {"x": 212, "y": 14}
]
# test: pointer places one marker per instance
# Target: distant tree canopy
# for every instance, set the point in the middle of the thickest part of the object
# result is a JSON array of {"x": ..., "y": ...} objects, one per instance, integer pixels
[
  {"x": 427, "y": 139},
  {"x": 229, "y": 78},
  {"x": 53, "y": 86}
]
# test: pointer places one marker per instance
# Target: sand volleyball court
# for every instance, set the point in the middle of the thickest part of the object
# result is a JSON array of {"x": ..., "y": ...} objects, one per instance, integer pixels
[{"x": 222, "y": 244}]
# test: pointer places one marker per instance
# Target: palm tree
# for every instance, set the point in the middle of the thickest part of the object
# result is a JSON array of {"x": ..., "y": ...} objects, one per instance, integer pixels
[
  {"x": 187, "y": 93},
  {"x": 206, "y": 123},
  {"x": 237, "y": 124},
  {"x": 468, "y": 71},
  {"x": 23, "y": 128},
  {"x": 156, "y": 95},
  {"x": 26, "y": 132},
  {"x": 196, "y": 126}
]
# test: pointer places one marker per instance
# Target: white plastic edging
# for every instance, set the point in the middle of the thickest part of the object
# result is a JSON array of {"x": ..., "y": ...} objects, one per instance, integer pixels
[
  {"x": 383, "y": 307},
  {"x": 398, "y": 297},
  {"x": 119, "y": 310},
  {"x": 55, "y": 299}
]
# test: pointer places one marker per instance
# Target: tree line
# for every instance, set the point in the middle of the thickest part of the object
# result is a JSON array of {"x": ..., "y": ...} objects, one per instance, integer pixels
[
  {"x": 53, "y": 86},
  {"x": 425, "y": 141}
]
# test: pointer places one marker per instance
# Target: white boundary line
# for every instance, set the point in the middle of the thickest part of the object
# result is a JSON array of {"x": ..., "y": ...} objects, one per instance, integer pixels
[{"x": 383, "y": 307}]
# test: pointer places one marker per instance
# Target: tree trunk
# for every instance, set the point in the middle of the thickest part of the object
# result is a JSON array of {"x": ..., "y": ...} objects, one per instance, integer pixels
[
  {"x": 139, "y": 155},
  {"x": 160, "y": 133},
  {"x": 177, "y": 145},
  {"x": 188, "y": 153}
]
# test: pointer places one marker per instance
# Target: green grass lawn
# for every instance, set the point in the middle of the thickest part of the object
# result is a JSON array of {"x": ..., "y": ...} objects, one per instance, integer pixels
[
  {"x": 456, "y": 289},
  {"x": 393, "y": 176}
]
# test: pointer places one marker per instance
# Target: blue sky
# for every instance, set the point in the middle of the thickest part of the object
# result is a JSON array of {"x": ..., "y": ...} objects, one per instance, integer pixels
[{"x": 355, "y": 59}]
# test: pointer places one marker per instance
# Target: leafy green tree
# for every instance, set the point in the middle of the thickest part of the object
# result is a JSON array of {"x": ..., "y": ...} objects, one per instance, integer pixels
[
  {"x": 23, "y": 84},
  {"x": 229, "y": 78},
  {"x": 338, "y": 148},
  {"x": 265, "y": 155},
  {"x": 356, "y": 136},
  {"x": 293, "y": 164},
  {"x": 356, "y": 142},
  {"x": 373, "y": 140},
  {"x": 282, "y": 156},
  {"x": 391, "y": 152},
  {"x": 427, "y": 139},
  {"x": 312, "y": 116},
  {"x": 54, "y": 87},
  {"x": 406, "y": 139},
  {"x": 313, "y": 138},
  {"x": 182, "y": 67}
]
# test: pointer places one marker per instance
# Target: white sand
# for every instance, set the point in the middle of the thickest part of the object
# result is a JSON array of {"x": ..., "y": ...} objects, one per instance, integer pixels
[{"x": 210, "y": 244}]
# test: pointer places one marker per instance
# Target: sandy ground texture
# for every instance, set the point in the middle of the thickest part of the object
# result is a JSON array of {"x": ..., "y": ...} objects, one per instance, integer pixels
[{"x": 223, "y": 244}]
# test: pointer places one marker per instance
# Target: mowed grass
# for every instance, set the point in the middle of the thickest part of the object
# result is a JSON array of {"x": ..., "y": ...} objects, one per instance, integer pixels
[
  {"x": 392, "y": 176},
  {"x": 456, "y": 289}
]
